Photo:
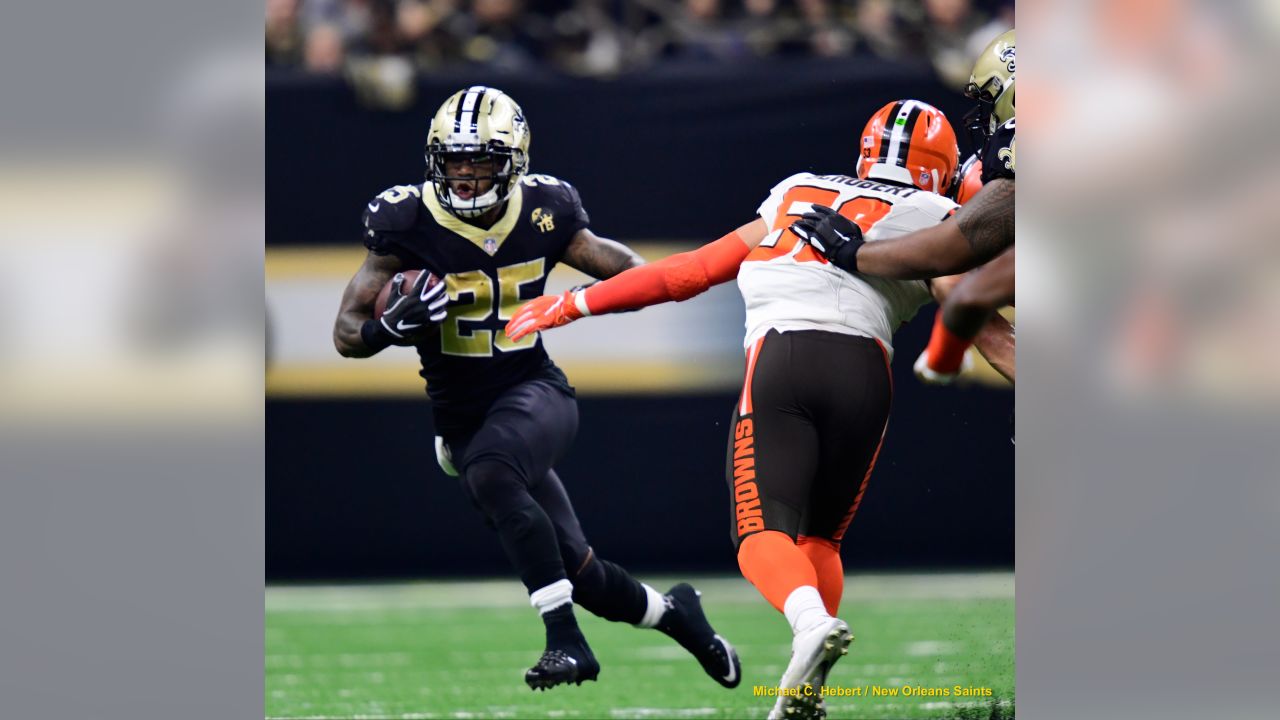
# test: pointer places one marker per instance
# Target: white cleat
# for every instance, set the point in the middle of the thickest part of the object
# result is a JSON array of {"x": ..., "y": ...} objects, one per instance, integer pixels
[{"x": 813, "y": 652}]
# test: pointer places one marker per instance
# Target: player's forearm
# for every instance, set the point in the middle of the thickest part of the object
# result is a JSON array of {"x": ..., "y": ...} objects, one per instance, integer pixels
[
  {"x": 996, "y": 343},
  {"x": 978, "y": 232},
  {"x": 929, "y": 253},
  {"x": 678, "y": 277},
  {"x": 347, "y": 336},
  {"x": 356, "y": 308},
  {"x": 979, "y": 295}
]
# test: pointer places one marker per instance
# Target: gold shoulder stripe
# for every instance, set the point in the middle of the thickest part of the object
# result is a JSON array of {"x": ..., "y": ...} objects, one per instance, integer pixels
[{"x": 477, "y": 235}]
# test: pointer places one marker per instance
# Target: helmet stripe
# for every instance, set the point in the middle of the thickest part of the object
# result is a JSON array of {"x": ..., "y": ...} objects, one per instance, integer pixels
[
  {"x": 904, "y": 124},
  {"x": 469, "y": 102},
  {"x": 887, "y": 134},
  {"x": 465, "y": 119},
  {"x": 457, "y": 116}
]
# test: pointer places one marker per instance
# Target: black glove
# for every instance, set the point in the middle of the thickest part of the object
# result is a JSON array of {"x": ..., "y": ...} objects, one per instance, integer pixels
[
  {"x": 410, "y": 313},
  {"x": 833, "y": 235}
]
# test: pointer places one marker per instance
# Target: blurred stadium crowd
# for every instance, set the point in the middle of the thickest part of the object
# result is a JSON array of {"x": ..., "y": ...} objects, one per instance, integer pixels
[{"x": 601, "y": 38}]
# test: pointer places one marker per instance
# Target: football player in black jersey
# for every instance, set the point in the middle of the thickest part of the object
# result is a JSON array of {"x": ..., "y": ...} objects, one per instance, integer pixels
[
  {"x": 982, "y": 231},
  {"x": 504, "y": 412}
]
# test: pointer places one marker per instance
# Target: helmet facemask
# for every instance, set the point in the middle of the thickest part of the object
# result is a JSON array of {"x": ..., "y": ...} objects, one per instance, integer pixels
[
  {"x": 978, "y": 122},
  {"x": 507, "y": 164}
]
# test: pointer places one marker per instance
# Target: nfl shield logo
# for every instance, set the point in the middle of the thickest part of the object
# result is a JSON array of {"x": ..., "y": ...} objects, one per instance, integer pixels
[{"x": 490, "y": 245}]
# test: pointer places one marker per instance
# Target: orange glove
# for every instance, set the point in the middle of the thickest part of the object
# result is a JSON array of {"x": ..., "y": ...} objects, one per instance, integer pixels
[{"x": 544, "y": 313}]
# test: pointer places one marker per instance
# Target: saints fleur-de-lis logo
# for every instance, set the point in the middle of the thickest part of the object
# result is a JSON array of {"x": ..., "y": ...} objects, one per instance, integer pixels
[
  {"x": 542, "y": 220},
  {"x": 1006, "y": 154},
  {"x": 1008, "y": 56}
]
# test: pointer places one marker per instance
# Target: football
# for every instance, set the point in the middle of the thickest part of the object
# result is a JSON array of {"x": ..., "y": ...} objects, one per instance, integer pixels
[{"x": 410, "y": 277}]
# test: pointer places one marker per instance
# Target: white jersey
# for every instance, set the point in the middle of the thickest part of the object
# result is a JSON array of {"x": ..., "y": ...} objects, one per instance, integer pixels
[{"x": 787, "y": 286}]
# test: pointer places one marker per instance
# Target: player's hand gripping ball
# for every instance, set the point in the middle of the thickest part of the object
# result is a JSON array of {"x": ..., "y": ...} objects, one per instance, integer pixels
[
  {"x": 544, "y": 313},
  {"x": 411, "y": 305}
]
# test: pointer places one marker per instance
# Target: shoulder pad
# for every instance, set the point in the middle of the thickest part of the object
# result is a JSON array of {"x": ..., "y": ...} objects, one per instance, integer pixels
[
  {"x": 768, "y": 210},
  {"x": 395, "y": 208},
  {"x": 938, "y": 206},
  {"x": 546, "y": 183},
  {"x": 558, "y": 198}
]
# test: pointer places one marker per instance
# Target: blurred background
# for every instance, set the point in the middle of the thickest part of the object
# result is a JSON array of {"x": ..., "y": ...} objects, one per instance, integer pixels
[
  {"x": 605, "y": 38},
  {"x": 674, "y": 120}
]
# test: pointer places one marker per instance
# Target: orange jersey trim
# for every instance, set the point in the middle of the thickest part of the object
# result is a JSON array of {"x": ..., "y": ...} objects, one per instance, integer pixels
[
  {"x": 862, "y": 489},
  {"x": 753, "y": 353}
]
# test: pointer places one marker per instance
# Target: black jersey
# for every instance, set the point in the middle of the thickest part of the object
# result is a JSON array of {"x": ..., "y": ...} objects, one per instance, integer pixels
[
  {"x": 489, "y": 273},
  {"x": 998, "y": 154}
]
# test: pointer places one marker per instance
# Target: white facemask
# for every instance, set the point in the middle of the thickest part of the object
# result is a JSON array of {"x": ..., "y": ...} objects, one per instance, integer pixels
[{"x": 476, "y": 206}]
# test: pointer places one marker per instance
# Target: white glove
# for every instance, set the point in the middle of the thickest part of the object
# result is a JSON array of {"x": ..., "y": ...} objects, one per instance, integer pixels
[{"x": 445, "y": 458}]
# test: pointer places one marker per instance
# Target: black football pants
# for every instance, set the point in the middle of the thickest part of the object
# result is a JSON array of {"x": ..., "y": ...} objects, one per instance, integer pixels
[
  {"x": 805, "y": 433},
  {"x": 506, "y": 469}
]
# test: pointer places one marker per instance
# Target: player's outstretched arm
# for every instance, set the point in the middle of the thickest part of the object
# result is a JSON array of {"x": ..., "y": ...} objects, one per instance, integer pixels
[
  {"x": 678, "y": 277},
  {"x": 982, "y": 229},
  {"x": 357, "y": 304},
  {"x": 601, "y": 258},
  {"x": 978, "y": 232}
]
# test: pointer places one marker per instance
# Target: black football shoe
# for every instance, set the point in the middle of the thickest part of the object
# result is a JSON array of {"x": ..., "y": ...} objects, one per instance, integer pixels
[
  {"x": 685, "y": 623},
  {"x": 557, "y": 667},
  {"x": 567, "y": 659}
]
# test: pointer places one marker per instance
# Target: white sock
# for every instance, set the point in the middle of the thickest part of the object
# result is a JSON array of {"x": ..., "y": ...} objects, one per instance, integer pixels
[
  {"x": 654, "y": 610},
  {"x": 552, "y": 596},
  {"x": 804, "y": 608}
]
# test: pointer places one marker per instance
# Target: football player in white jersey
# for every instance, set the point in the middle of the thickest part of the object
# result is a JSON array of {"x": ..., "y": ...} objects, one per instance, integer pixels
[
  {"x": 983, "y": 231},
  {"x": 815, "y": 398}
]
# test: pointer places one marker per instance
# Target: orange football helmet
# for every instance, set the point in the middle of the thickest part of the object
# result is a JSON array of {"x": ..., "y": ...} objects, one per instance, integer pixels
[
  {"x": 970, "y": 181},
  {"x": 910, "y": 142}
]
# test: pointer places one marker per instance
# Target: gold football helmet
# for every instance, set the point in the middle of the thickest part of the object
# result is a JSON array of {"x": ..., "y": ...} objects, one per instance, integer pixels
[
  {"x": 991, "y": 84},
  {"x": 482, "y": 123}
]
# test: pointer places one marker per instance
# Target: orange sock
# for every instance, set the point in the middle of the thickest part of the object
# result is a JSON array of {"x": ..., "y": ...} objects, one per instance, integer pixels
[
  {"x": 824, "y": 555},
  {"x": 775, "y": 565}
]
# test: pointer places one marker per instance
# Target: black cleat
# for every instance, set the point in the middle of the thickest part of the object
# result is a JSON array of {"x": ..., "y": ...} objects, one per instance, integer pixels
[
  {"x": 573, "y": 664},
  {"x": 685, "y": 622}
]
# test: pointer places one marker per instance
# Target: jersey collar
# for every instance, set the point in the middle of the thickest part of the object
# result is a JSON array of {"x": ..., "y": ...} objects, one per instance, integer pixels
[{"x": 478, "y": 235}]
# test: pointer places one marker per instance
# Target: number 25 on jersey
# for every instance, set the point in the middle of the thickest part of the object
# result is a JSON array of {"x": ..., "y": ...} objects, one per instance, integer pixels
[{"x": 455, "y": 339}]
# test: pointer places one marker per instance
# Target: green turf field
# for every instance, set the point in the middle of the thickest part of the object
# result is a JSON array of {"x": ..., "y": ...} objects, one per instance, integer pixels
[{"x": 459, "y": 650}]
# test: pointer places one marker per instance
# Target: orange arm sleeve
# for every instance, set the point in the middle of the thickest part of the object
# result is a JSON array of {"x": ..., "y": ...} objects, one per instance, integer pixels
[{"x": 678, "y": 277}]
